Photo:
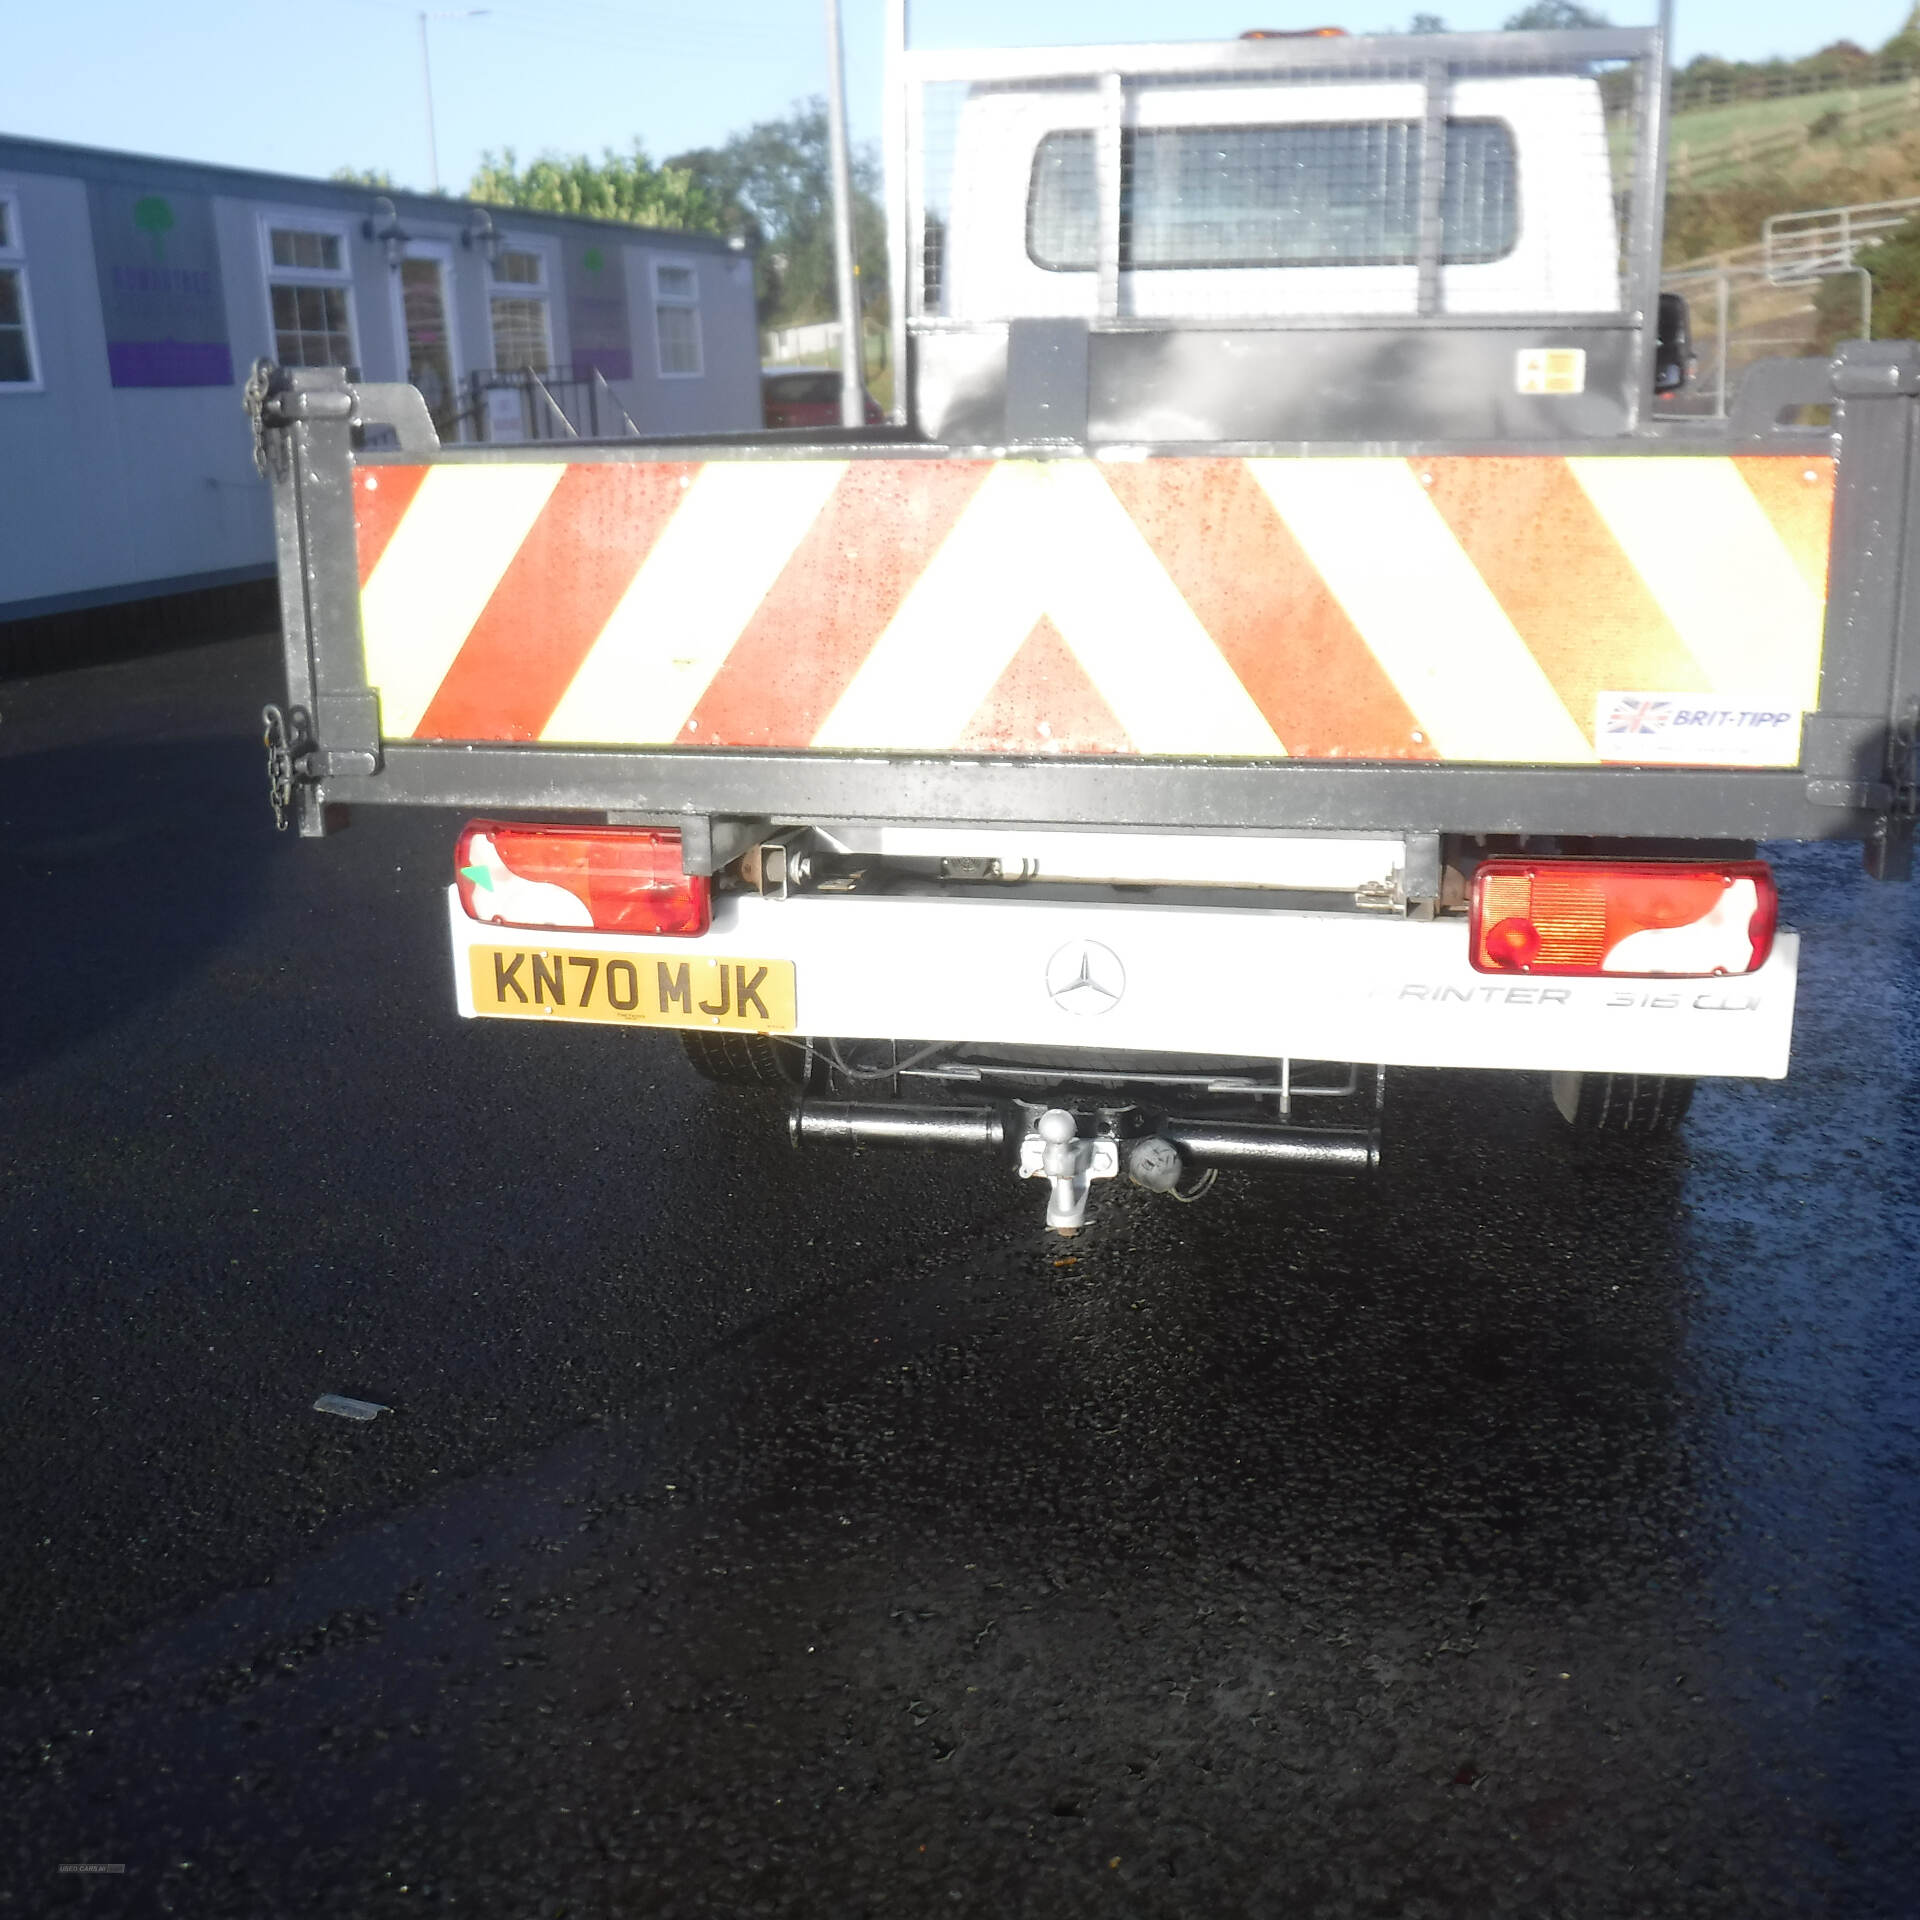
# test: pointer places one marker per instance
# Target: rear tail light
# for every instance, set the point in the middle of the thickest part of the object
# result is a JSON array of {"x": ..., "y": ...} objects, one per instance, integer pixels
[
  {"x": 614, "y": 879},
  {"x": 1662, "y": 919}
]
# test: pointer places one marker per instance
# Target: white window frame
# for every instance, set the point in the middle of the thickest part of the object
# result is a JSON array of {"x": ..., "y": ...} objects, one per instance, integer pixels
[
  {"x": 685, "y": 306},
  {"x": 517, "y": 290},
  {"x": 308, "y": 220},
  {"x": 13, "y": 257}
]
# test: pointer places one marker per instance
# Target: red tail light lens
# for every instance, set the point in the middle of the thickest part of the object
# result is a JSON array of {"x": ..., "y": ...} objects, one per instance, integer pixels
[
  {"x": 614, "y": 879},
  {"x": 1655, "y": 918}
]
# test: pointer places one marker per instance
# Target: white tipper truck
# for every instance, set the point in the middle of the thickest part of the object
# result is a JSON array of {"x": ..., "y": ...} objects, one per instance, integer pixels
[{"x": 1279, "y": 637}]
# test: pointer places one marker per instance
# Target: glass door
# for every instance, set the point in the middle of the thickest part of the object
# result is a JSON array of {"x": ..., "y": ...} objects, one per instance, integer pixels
[{"x": 427, "y": 325}]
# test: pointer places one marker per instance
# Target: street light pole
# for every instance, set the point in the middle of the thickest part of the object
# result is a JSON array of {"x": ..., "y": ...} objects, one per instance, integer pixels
[
  {"x": 426, "y": 81},
  {"x": 853, "y": 371},
  {"x": 433, "y": 142}
]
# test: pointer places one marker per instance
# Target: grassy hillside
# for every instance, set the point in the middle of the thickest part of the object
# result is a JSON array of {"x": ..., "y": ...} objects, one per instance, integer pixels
[
  {"x": 1831, "y": 171},
  {"x": 1752, "y": 139},
  {"x": 1711, "y": 126},
  {"x": 1748, "y": 141},
  {"x": 1834, "y": 168}
]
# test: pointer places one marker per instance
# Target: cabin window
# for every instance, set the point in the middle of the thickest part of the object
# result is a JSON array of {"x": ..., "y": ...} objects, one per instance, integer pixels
[
  {"x": 1336, "y": 194},
  {"x": 19, "y": 365},
  {"x": 522, "y": 336},
  {"x": 676, "y": 319},
  {"x": 310, "y": 291}
]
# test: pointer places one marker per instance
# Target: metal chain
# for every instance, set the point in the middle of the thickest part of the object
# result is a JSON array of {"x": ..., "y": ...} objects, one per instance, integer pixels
[{"x": 279, "y": 766}]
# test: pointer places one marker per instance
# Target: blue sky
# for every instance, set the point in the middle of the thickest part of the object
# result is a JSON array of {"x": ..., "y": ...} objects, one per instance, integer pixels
[{"x": 256, "y": 83}]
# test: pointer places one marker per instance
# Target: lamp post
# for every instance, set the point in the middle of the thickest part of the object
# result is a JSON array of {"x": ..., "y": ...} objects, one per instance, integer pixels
[
  {"x": 426, "y": 78},
  {"x": 853, "y": 371}
]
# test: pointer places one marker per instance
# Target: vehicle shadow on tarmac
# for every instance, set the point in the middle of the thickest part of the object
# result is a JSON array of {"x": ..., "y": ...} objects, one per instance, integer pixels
[{"x": 123, "y": 866}]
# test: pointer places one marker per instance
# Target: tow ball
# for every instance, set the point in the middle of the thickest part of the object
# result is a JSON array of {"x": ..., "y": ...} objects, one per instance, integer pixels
[{"x": 1055, "y": 1151}]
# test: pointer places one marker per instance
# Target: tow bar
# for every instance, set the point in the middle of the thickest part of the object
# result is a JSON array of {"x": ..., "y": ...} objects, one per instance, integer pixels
[{"x": 1053, "y": 1147}]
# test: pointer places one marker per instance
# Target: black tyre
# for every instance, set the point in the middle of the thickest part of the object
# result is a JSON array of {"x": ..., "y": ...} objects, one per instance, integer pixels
[
  {"x": 745, "y": 1060},
  {"x": 1622, "y": 1106}
]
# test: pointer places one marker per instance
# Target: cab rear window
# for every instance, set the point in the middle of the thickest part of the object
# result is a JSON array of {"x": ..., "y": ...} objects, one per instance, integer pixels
[{"x": 1338, "y": 194}]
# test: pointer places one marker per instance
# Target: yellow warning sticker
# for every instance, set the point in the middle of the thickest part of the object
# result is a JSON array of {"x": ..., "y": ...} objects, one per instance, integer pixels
[{"x": 1550, "y": 370}]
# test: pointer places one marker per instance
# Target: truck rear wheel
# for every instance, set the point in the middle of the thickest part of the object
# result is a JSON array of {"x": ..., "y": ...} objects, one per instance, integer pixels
[
  {"x": 744, "y": 1060},
  {"x": 1622, "y": 1106}
]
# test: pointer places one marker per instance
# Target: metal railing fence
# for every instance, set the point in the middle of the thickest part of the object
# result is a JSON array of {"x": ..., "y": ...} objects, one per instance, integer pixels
[
  {"x": 1691, "y": 95},
  {"x": 1823, "y": 240},
  {"x": 1855, "y": 116},
  {"x": 510, "y": 405}
]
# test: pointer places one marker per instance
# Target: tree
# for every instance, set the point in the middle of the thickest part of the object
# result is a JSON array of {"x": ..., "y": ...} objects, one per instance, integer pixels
[
  {"x": 1426, "y": 23},
  {"x": 1905, "y": 45},
  {"x": 617, "y": 186},
  {"x": 1552, "y": 16},
  {"x": 375, "y": 179},
  {"x": 153, "y": 217},
  {"x": 775, "y": 183}
]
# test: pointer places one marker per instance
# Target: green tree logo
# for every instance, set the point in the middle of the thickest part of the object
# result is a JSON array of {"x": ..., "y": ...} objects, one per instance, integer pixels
[
  {"x": 592, "y": 260},
  {"x": 153, "y": 217}
]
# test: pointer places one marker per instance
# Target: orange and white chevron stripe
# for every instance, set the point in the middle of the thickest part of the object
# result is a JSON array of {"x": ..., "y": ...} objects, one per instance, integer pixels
[{"x": 1469, "y": 608}]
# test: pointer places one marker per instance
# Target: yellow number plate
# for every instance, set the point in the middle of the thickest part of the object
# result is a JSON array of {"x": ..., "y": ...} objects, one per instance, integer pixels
[{"x": 633, "y": 989}]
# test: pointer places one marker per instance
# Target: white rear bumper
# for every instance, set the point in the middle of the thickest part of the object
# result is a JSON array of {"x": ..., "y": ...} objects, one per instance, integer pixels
[{"x": 1233, "y": 981}]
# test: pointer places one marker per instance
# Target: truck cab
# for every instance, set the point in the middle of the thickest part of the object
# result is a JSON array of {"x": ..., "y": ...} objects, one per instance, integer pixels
[{"x": 1369, "y": 239}]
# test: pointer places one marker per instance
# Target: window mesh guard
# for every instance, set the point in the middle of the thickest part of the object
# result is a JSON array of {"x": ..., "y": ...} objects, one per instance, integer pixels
[{"x": 1442, "y": 179}]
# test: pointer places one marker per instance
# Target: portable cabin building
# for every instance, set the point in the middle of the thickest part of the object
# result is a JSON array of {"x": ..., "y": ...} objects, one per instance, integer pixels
[{"x": 136, "y": 293}]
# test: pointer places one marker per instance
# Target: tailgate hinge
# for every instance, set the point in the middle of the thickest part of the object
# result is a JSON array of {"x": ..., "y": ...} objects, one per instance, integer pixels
[
  {"x": 1851, "y": 760},
  {"x": 1889, "y": 850},
  {"x": 1859, "y": 763},
  {"x": 295, "y": 768},
  {"x": 275, "y": 401}
]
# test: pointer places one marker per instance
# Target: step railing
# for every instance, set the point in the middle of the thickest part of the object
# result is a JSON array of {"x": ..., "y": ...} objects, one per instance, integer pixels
[
  {"x": 606, "y": 393},
  {"x": 1824, "y": 240},
  {"x": 528, "y": 403}
]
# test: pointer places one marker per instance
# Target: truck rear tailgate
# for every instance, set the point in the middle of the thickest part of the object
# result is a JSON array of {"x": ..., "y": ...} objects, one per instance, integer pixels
[
  {"x": 1698, "y": 633},
  {"x": 1534, "y": 610}
]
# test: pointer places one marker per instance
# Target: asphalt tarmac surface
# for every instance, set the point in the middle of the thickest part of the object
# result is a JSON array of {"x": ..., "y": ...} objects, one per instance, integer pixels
[{"x": 1531, "y": 1531}]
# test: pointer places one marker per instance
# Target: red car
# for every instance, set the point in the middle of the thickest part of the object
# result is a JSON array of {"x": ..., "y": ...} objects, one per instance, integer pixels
[{"x": 807, "y": 397}]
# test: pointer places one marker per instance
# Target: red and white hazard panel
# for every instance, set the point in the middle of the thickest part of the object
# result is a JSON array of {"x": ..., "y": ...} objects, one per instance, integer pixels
[{"x": 1634, "y": 608}]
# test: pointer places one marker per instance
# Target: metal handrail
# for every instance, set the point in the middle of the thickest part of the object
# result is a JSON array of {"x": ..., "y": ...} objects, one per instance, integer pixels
[
  {"x": 600, "y": 386},
  {"x": 559, "y": 412},
  {"x": 1792, "y": 253}
]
